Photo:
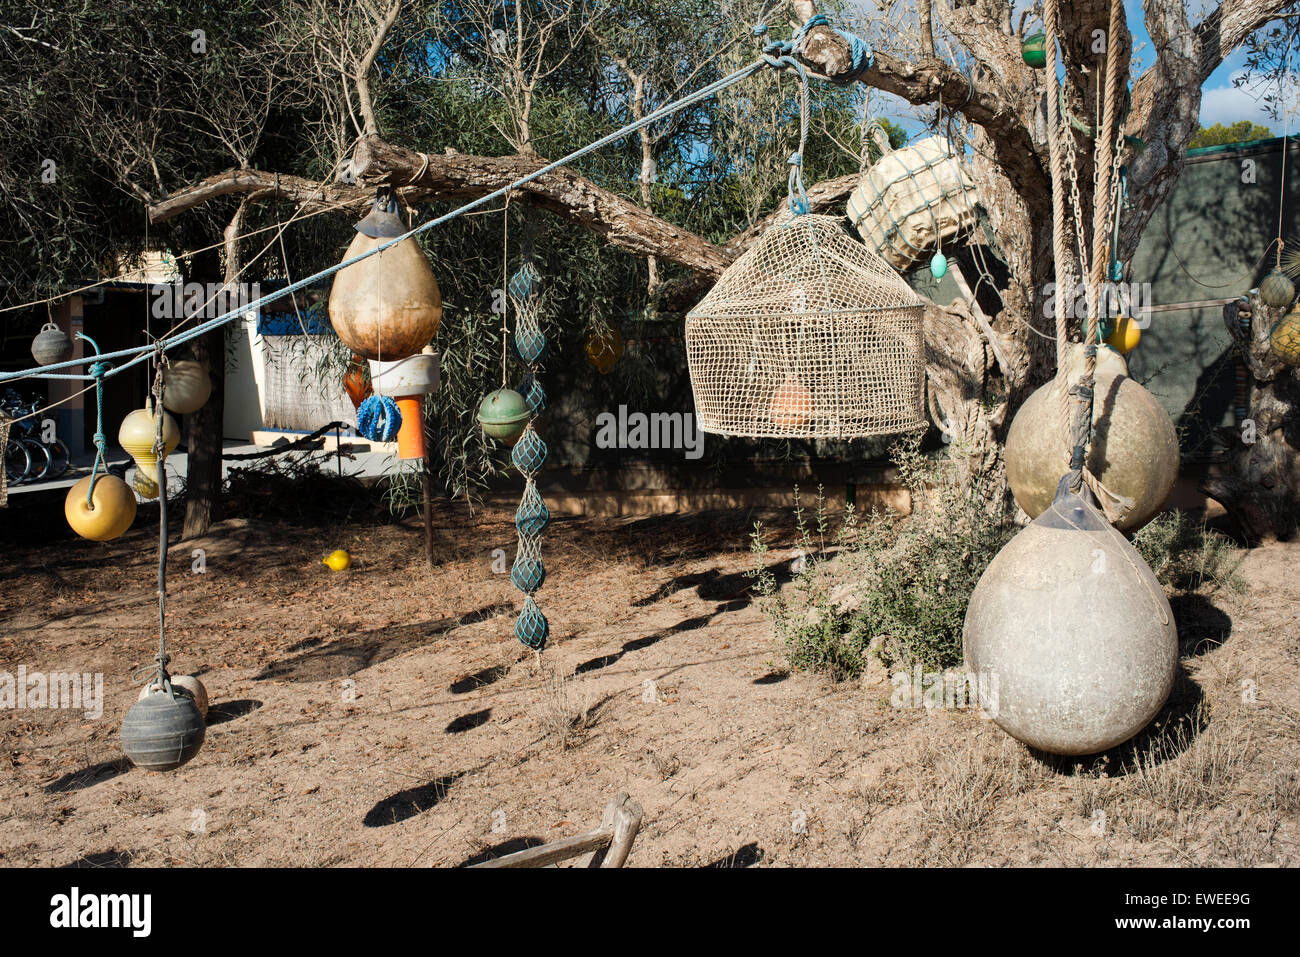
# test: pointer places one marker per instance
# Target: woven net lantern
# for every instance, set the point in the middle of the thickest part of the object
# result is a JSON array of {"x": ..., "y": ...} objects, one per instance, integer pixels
[{"x": 808, "y": 335}]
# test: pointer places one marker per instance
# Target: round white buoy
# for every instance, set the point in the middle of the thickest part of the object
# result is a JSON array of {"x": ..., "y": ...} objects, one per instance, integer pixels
[
  {"x": 187, "y": 683},
  {"x": 1071, "y": 632}
]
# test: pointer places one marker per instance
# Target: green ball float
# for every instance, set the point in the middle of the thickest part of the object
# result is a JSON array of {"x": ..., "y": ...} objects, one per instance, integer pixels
[
  {"x": 504, "y": 415},
  {"x": 1033, "y": 50},
  {"x": 1277, "y": 290}
]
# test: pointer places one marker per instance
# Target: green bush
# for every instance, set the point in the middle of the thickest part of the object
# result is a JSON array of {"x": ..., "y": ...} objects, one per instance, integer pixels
[
  {"x": 894, "y": 585},
  {"x": 1186, "y": 554}
]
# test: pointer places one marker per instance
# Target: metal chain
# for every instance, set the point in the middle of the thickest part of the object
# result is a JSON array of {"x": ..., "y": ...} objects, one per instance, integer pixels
[{"x": 1076, "y": 205}]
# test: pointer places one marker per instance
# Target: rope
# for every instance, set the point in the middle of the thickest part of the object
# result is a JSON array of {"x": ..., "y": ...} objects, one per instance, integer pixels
[
  {"x": 141, "y": 354},
  {"x": 101, "y": 441},
  {"x": 797, "y": 195},
  {"x": 860, "y": 52},
  {"x": 378, "y": 419},
  {"x": 1075, "y": 404},
  {"x": 160, "y": 450}
]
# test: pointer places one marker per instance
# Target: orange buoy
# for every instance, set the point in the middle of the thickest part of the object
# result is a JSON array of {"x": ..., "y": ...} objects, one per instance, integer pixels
[{"x": 792, "y": 405}]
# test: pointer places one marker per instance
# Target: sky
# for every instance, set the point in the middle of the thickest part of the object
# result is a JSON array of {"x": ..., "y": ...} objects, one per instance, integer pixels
[{"x": 1221, "y": 102}]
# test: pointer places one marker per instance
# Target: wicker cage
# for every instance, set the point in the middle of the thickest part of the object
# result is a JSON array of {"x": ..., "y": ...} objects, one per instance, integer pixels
[{"x": 807, "y": 335}]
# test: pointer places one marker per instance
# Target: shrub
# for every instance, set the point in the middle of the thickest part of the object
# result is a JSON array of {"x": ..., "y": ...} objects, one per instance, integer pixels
[{"x": 894, "y": 585}]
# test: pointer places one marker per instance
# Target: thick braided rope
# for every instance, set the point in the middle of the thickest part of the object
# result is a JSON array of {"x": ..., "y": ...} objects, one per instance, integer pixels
[
  {"x": 4, "y": 442},
  {"x": 1060, "y": 241},
  {"x": 1075, "y": 423}
]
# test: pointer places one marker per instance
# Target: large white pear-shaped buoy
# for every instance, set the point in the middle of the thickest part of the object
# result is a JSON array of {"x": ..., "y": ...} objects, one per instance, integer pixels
[
  {"x": 1071, "y": 632},
  {"x": 1134, "y": 448},
  {"x": 388, "y": 306}
]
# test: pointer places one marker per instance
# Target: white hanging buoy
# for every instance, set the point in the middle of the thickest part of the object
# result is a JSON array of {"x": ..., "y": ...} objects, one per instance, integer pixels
[{"x": 1072, "y": 632}]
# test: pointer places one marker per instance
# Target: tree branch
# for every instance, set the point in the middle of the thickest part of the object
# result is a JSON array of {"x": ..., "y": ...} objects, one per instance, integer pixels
[{"x": 362, "y": 75}]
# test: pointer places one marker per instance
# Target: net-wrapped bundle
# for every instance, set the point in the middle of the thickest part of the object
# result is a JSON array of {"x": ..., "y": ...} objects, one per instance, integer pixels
[
  {"x": 807, "y": 335},
  {"x": 913, "y": 200}
]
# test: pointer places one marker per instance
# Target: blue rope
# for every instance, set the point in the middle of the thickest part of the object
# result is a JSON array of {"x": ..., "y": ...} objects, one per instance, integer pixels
[
  {"x": 777, "y": 54},
  {"x": 98, "y": 369},
  {"x": 378, "y": 419}
]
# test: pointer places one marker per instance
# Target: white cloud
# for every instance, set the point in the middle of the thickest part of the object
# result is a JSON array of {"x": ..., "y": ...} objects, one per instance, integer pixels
[{"x": 1229, "y": 104}]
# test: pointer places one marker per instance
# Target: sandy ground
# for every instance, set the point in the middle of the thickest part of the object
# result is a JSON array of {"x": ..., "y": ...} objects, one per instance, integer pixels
[{"x": 386, "y": 715}]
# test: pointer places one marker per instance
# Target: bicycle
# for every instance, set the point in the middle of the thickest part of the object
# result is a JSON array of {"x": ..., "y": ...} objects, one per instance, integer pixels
[{"x": 29, "y": 456}]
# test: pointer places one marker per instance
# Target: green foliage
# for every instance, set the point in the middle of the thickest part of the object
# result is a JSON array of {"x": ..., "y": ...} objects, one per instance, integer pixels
[
  {"x": 1186, "y": 555},
  {"x": 886, "y": 584},
  {"x": 1243, "y": 131}
]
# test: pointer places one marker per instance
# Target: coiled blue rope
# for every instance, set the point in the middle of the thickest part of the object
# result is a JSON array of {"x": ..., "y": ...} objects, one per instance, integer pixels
[
  {"x": 780, "y": 53},
  {"x": 378, "y": 419}
]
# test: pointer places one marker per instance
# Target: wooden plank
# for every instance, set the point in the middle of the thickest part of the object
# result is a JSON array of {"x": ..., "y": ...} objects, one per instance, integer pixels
[
  {"x": 607, "y": 821},
  {"x": 981, "y": 320},
  {"x": 552, "y": 853},
  {"x": 627, "y": 824}
]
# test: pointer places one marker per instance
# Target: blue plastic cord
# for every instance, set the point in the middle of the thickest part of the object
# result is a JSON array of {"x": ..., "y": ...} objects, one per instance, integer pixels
[
  {"x": 101, "y": 441},
  {"x": 378, "y": 419},
  {"x": 777, "y": 54}
]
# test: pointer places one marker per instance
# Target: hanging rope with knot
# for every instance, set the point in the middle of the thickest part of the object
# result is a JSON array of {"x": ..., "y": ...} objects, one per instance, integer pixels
[
  {"x": 1076, "y": 401},
  {"x": 160, "y": 451},
  {"x": 781, "y": 53},
  {"x": 98, "y": 369}
]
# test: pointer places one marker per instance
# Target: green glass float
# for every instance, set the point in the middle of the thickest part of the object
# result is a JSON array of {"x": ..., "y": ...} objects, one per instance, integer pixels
[
  {"x": 1285, "y": 338},
  {"x": 1033, "y": 50},
  {"x": 938, "y": 265},
  {"x": 1277, "y": 290},
  {"x": 504, "y": 415}
]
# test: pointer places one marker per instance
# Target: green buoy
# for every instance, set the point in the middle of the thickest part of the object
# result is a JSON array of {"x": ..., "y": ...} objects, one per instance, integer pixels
[
  {"x": 504, "y": 415},
  {"x": 1033, "y": 50}
]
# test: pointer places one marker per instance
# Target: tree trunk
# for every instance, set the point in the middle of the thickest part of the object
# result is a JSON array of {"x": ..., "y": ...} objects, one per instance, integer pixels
[
  {"x": 205, "y": 429},
  {"x": 204, "y": 432},
  {"x": 1259, "y": 484}
]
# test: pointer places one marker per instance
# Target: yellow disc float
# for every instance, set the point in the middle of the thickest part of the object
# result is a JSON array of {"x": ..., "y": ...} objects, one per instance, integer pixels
[{"x": 111, "y": 512}]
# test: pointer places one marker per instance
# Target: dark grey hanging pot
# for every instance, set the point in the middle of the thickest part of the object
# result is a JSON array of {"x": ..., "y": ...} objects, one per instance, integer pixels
[
  {"x": 161, "y": 732},
  {"x": 51, "y": 345}
]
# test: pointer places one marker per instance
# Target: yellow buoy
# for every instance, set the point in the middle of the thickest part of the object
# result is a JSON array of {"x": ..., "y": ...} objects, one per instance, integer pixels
[
  {"x": 605, "y": 349},
  {"x": 1126, "y": 335},
  {"x": 110, "y": 513},
  {"x": 137, "y": 435},
  {"x": 1285, "y": 338},
  {"x": 338, "y": 560}
]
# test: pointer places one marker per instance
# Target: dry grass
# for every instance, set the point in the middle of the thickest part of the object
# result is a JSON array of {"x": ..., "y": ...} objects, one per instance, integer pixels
[
  {"x": 960, "y": 794},
  {"x": 1185, "y": 772},
  {"x": 567, "y": 711}
]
